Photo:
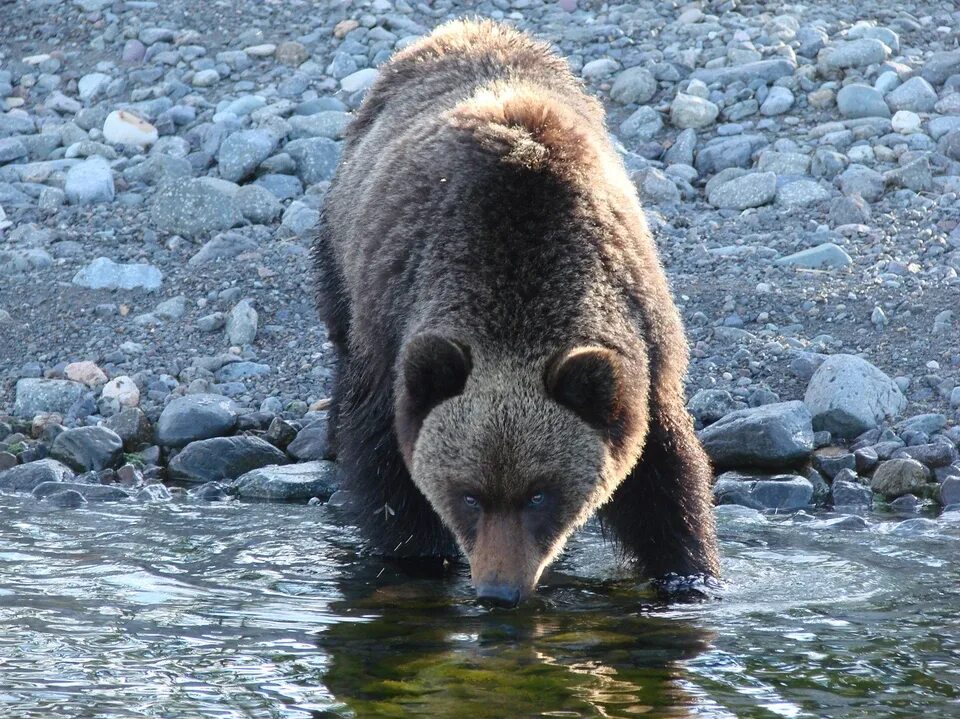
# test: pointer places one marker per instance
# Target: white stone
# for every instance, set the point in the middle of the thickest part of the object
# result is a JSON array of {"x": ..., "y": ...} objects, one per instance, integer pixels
[
  {"x": 89, "y": 86},
  {"x": 359, "y": 80},
  {"x": 692, "y": 111},
  {"x": 905, "y": 122},
  {"x": 124, "y": 390},
  {"x": 125, "y": 128}
]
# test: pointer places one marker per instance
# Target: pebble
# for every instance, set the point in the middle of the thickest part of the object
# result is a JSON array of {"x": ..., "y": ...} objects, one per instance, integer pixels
[
  {"x": 856, "y": 100},
  {"x": 690, "y": 111},
  {"x": 825, "y": 255}
]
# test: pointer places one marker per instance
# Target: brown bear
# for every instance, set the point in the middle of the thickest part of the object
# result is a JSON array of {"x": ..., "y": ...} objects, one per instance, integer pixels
[{"x": 510, "y": 358}]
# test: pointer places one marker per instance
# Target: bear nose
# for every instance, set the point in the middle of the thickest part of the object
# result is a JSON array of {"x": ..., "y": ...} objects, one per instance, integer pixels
[{"x": 498, "y": 595}]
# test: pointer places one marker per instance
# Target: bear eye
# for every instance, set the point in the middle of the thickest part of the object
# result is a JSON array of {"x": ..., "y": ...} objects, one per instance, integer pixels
[
  {"x": 536, "y": 499},
  {"x": 471, "y": 501}
]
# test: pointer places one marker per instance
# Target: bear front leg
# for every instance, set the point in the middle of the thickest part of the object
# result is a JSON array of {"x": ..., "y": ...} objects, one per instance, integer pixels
[{"x": 662, "y": 513}]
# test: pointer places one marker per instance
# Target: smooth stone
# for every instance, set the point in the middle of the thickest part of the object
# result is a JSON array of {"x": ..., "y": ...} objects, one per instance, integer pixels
[
  {"x": 242, "y": 152},
  {"x": 195, "y": 417},
  {"x": 316, "y": 158},
  {"x": 89, "y": 182},
  {"x": 767, "y": 71},
  {"x": 854, "y": 101},
  {"x": 292, "y": 482},
  {"x": 311, "y": 443},
  {"x": 634, "y": 86},
  {"x": 105, "y": 274},
  {"x": 242, "y": 324},
  {"x": 802, "y": 193},
  {"x": 125, "y": 128},
  {"x": 85, "y": 449},
  {"x": 25, "y": 477},
  {"x": 825, "y": 255},
  {"x": 221, "y": 458},
  {"x": 847, "y": 396},
  {"x": 773, "y": 435},
  {"x": 852, "y": 53},
  {"x": 690, "y": 111},
  {"x": 916, "y": 95},
  {"x": 850, "y": 494},
  {"x": 90, "y": 492},
  {"x": 785, "y": 492}
]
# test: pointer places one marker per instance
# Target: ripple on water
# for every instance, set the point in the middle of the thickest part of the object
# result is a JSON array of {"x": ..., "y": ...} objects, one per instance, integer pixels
[{"x": 234, "y": 610}]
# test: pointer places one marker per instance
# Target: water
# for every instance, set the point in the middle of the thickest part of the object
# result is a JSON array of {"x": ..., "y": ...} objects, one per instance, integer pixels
[{"x": 263, "y": 610}]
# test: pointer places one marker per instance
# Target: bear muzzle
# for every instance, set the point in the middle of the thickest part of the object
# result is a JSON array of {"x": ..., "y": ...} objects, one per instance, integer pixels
[{"x": 505, "y": 562}]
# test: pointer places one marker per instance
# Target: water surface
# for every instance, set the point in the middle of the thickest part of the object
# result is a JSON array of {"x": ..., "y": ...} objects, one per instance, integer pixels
[{"x": 232, "y": 610}]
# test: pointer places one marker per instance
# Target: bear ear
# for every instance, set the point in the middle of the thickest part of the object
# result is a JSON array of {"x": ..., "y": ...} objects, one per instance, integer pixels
[
  {"x": 588, "y": 381},
  {"x": 435, "y": 368}
]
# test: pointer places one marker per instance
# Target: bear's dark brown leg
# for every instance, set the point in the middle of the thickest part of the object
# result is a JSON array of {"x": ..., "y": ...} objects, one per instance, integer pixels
[{"x": 662, "y": 514}]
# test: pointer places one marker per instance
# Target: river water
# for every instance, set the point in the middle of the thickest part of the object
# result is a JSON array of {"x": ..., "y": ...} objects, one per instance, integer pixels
[{"x": 231, "y": 610}]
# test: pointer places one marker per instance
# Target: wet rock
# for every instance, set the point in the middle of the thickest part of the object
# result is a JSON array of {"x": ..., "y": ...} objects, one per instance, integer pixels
[
  {"x": 209, "y": 492},
  {"x": 25, "y": 477},
  {"x": 88, "y": 448},
  {"x": 220, "y": 458},
  {"x": 847, "y": 396},
  {"x": 830, "y": 461},
  {"x": 866, "y": 459},
  {"x": 34, "y": 395},
  {"x": 294, "y": 482},
  {"x": 195, "y": 417},
  {"x": 312, "y": 442},
  {"x": 154, "y": 493},
  {"x": 105, "y": 274},
  {"x": 950, "y": 491},
  {"x": 851, "y": 494},
  {"x": 773, "y": 435},
  {"x": 849, "y": 522},
  {"x": 911, "y": 527},
  {"x": 196, "y": 207},
  {"x": 66, "y": 499},
  {"x": 933, "y": 455},
  {"x": 779, "y": 492},
  {"x": 896, "y": 477},
  {"x": 90, "y": 492}
]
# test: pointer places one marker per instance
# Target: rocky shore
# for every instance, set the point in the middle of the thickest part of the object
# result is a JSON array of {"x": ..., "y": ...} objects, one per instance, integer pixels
[{"x": 162, "y": 166}]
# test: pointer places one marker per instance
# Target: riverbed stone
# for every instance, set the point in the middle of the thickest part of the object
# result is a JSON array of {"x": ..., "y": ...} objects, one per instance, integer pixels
[
  {"x": 822, "y": 256},
  {"x": 773, "y": 435},
  {"x": 24, "y": 477},
  {"x": 847, "y": 396},
  {"x": 312, "y": 442},
  {"x": 195, "y": 417},
  {"x": 242, "y": 152},
  {"x": 195, "y": 207},
  {"x": 90, "y": 492},
  {"x": 896, "y": 477},
  {"x": 221, "y": 458},
  {"x": 635, "y": 85},
  {"x": 750, "y": 190},
  {"x": 852, "y": 53},
  {"x": 105, "y": 274},
  {"x": 783, "y": 492},
  {"x": 916, "y": 95},
  {"x": 290, "y": 483},
  {"x": 36, "y": 395},
  {"x": 84, "y": 449},
  {"x": 854, "y": 101}
]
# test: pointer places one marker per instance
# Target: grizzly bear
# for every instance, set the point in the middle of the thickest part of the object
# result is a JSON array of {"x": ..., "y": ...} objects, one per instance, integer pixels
[{"x": 510, "y": 359}]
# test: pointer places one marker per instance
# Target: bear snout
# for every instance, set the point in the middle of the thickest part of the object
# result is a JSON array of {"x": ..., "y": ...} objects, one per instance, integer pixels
[{"x": 492, "y": 594}]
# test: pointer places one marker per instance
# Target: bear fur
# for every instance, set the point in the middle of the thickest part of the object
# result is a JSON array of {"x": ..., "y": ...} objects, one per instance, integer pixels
[{"x": 510, "y": 359}]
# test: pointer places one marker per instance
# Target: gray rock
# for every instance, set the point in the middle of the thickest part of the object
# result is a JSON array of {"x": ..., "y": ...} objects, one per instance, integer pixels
[
  {"x": 915, "y": 95},
  {"x": 300, "y": 220},
  {"x": 19, "y": 261},
  {"x": 634, "y": 86},
  {"x": 105, "y": 274},
  {"x": 359, "y": 80},
  {"x": 709, "y": 405},
  {"x": 778, "y": 492},
  {"x": 242, "y": 324},
  {"x": 34, "y": 396},
  {"x": 241, "y": 370},
  {"x": 311, "y": 442},
  {"x": 855, "y": 101},
  {"x": 825, "y": 255},
  {"x": 897, "y": 477},
  {"x": 223, "y": 246},
  {"x": 772, "y": 435},
  {"x": 950, "y": 491},
  {"x": 766, "y": 71},
  {"x": 242, "y": 152},
  {"x": 25, "y": 477},
  {"x": 88, "y": 448},
  {"x": 644, "y": 124},
  {"x": 157, "y": 169},
  {"x": 690, "y": 111},
  {"x": 220, "y": 458},
  {"x": 258, "y": 204},
  {"x": 293, "y": 482},
  {"x": 862, "y": 180},
  {"x": 779, "y": 100},
  {"x": 851, "y": 210},
  {"x": 331, "y": 124},
  {"x": 655, "y": 188},
  {"x": 154, "y": 493},
  {"x": 941, "y": 65},
  {"x": 852, "y": 53},
  {"x": 681, "y": 152},
  {"x": 850, "y": 494},
  {"x": 933, "y": 454},
  {"x": 12, "y": 148},
  {"x": 316, "y": 158},
  {"x": 751, "y": 190},
  {"x": 847, "y": 396},
  {"x": 132, "y": 426},
  {"x": 724, "y": 152},
  {"x": 66, "y": 499},
  {"x": 194, "y": 417},
  {"x": 195, "y": 207},
  {"x": 802, "y": 193},
  {"x": 89, "y": 182},
  {"x": 915, "y": 175}
]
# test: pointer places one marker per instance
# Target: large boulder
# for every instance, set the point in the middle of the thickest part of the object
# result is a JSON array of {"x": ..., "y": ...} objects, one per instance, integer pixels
[
  {"x": 88, "y": 448},
  {"x": 292, "y": 482},
  {"x": 218, "y": 458},
  {"x": 847, "y": 396},
  {"x": 772, "y": 435}
]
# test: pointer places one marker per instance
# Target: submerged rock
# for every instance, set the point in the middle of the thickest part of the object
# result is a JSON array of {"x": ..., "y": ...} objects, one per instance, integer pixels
[
  {"x": 780, "y": 491},
  {"x": 25, "y": 477}
]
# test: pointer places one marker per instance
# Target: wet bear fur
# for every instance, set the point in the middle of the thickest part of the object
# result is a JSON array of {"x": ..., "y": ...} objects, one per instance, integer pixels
[{"x": 510, "y": 359}]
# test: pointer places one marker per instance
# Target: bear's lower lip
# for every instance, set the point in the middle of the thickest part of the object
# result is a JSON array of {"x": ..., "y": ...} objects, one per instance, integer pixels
[{"x": 498, "y": 595}]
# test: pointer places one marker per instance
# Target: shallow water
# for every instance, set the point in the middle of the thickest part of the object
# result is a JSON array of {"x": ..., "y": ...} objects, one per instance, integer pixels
[{"x": 265, "y": 610}]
